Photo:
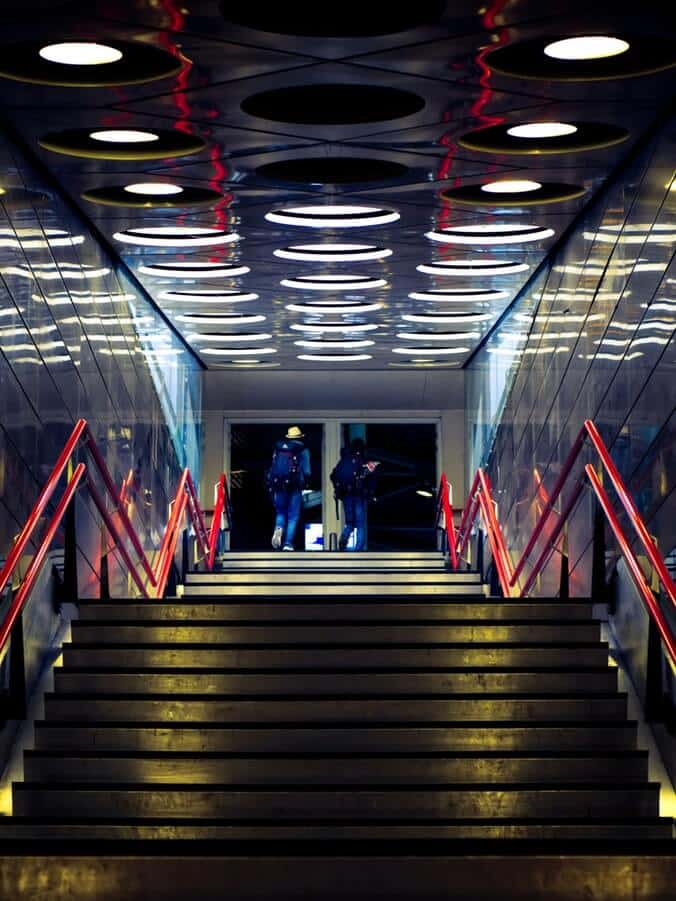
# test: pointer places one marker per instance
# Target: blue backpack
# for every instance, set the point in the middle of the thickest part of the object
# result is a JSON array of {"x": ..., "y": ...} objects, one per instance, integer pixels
[
  {"x": 348, "y": 475},
  {"x": 285, "y": 472}
]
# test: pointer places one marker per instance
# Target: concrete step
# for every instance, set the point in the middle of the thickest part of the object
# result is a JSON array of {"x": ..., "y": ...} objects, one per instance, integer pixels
[
  {"x": 356, "y": 577},
  {"x": 472, "y": 801},
  {"x": 319, "y": 588},
  {"x": 111, "y": 682},
  {"x": 455, "y": 656},
  {"x": 562, "y": 736},
  {"x": 364, "y": 634},
  {"x": 635, "y": 830},
  {"x": 329, "y": 611},
  {"x": 334, "y": 770},
  {"x": 234, "y": 709}
]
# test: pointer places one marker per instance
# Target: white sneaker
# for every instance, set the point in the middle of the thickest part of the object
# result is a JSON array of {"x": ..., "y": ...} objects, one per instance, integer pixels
[
  {"x": 277, "y": 538},
  {"x": 288, "y": 547}
]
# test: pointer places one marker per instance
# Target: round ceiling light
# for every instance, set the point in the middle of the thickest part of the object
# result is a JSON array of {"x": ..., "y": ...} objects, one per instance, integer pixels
[
  {"x": 584, "y": 57},
  {"x": 122, "y": 143},
  {"x": 224, "y": 336},
  {"x": 224, "y": 319},
  {"x": 87, "y": 64},
  {"x": 586, "y": 47},
  {"x": 335, "y": 327},
  {"x": 152, "y": 194},
  {"x": 176, "y": 236},
  {"x": 335, "y": 358},
  {"x": 330, "y": 253},
  {"x": 236, "y": 351},
  {"x": 189, "y": 270},
  {"x": 447, "y": 317},
  {"x": 332, "y": 216},
  {"x": 490, "y": 234},
  {"x": 459, "y": 295},
  {"x": 328, "y": 344},
  {"x": 437, "y": 336},
  {"x": 326, "y": 170},
  {"x": 513, "y": 192},
  {"x": 333, "y": 283},
  {"x": 430, "y": 351},
  {"x": 208, "y": 298},
  {"x": 544, "y": 138},
  {"x": 333, "y": 104},
  {"x": 333, "y": 307},
  {"x": 471, "y": 268}
]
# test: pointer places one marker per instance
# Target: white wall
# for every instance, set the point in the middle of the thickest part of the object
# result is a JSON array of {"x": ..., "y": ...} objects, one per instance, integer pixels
[{"x": 356, "y": 396}]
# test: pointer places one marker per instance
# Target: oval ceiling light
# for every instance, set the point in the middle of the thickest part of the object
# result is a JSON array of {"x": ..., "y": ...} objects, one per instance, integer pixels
[
  {"x": 543, "y": 137},
  {"x": 176, "y": 236},
  {"x": 38, "y": 238},
  {"x": 328, "y": 344},
  {"x": 438, "y": 336},
  {"x": 490, "y": 234},
  {"x": 87, "y": 64},
  {"x": 335, "y": 358},
  {"x": 513, "y": 192},
  {"x": 459, "y": 295},
  {"x": 236, "y": 351},
  {"x": 333, "y": 307},
  {"x": 334, "y": 327},
  {"x": 590, "y": 57},
  {"x": 333, "y": 282},
  {"x": 152, "y": 194},
  {"x": 226, "y": 319},
  {"x": 447, "y": 317},
  {"x": 586, "y": 47},
  {"x": 224, "y": 336},
  {"x": 332, "y": 216},
  {"x": 430, "y": 351},
  {"x": 328, "y": 253},
  {"x": 122, "y": 143},
  {"x": 190, "y": 270},
  {"x": 207, "y": 298},
  {"x": 471, "y": 268}
]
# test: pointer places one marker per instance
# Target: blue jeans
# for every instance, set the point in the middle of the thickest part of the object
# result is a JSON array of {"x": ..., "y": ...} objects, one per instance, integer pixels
[
  {"x": 354, "y": 509},
  {"x": 287, "y": 510}
]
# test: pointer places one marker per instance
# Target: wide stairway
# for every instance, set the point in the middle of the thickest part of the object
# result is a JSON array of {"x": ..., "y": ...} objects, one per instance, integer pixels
[{"x": 335, "y": 726}]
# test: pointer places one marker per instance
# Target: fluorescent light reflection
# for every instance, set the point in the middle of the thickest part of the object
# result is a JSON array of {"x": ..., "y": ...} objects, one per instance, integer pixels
[
  {"x": 53, "y": 271},
  {"x": 37, "y": 238}
]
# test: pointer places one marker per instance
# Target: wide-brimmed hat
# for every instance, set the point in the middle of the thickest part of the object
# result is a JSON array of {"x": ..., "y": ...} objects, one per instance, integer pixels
[{"x": 294, "y": 432}]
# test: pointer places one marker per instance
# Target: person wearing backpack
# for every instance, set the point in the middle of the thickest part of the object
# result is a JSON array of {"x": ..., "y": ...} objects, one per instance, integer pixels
[
  {"x": 288, "y": 474},
  {"x": 353, "y": 480}
]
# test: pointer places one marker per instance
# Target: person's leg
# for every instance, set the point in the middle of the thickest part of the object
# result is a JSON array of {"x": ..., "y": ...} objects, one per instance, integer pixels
[
  {"x": 281, "y": 500},
  {"x": 360, "y": 523},
  {"x": 292, "y": 517},
  {"x": 348, "y": 515}
]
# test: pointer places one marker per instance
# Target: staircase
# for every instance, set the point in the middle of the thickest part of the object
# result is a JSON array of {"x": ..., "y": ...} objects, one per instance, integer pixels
[{"x": 334, "y": 726}]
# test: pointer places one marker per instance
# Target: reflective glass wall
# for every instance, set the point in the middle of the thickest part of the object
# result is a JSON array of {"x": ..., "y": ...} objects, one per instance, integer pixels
[
  {"x": 593, "y": 337},
  {"x": 78, "y": 339}
]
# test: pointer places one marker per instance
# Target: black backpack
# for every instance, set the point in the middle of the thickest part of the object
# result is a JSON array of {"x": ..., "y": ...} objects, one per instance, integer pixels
[
  {"x": 285, "y": 472},
  {"x": 348, "y": 475}
]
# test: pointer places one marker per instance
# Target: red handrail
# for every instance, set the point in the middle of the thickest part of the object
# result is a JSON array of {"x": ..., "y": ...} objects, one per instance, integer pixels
[
  {"x": 480, "y": 499},
  {"x": 185, "y": 499},
  {"x": 445, "y": 507},
  {"x": 221, "y": 511}
]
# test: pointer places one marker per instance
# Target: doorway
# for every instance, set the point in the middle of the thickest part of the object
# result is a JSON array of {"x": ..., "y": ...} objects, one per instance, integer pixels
[{"x": 251, "y": 447}]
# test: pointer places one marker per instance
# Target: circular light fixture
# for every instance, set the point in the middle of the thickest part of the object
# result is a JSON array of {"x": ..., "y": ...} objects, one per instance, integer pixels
[
  {"x": 447, "y": 317},
  {"x": 236, "y": 351},
  {"x": 226, "y": 319},
  {"x": 543, "y": 138},
  {"x": 152, "y": 194},
  {"x": 207, "y": 298},
  {"x": 328, "y": 344},
  {"x": 332, "y": 216},
  {"x": 333, "y": 307},
  {"x": 190, "y": 270},
  {"x": 333, "y": 282},
  {"x": 333, "y": 104},
  {"x": 471, "y": 268},
  {"x": 87, "y": 64},
  {"x": 80, "y": 53},
  {"x": 459, "y": 295},
  {"x": 335, "y": 358},
  {"x": 330, "y": 253},
  {"x": 437, "y": 336},
  {"x": 430, "y": 351},
  {"x": 586, "y": 47},
  {"x": 339, "y": 170},
  {"x": 176, "y": 236},
  {"x": 221, "y": 336},
  {"x": 122, "y": 143},
  {"x": 513, "y": 192},
  {"x": 490, "y": 234},
  {"x": 584, "y": 57},
  {"x": 335, "y": 327},
  {"x": 423, "y": 492}
]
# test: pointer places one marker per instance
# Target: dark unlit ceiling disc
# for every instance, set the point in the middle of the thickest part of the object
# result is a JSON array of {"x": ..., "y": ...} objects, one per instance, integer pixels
[
  {"x": 349, "y": 19},
  {"x": 332, "y": 170},
  {"x": 333, "y": 104}
]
